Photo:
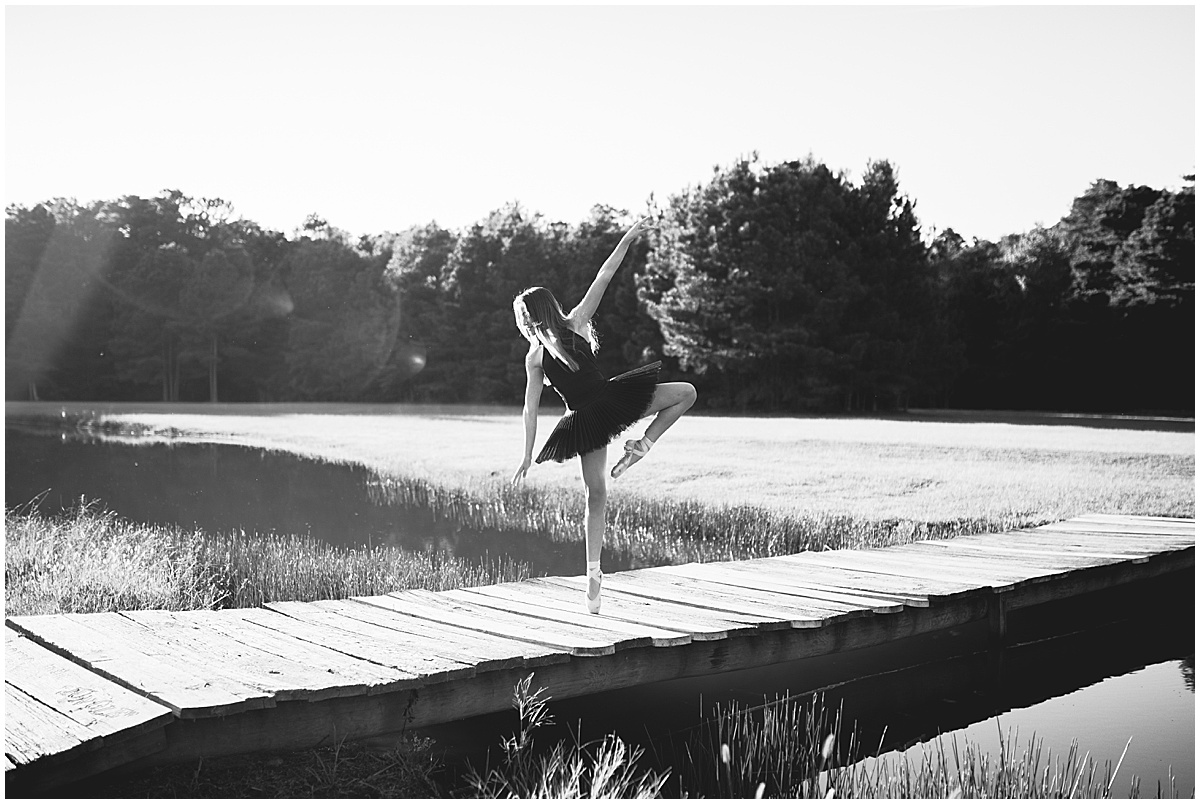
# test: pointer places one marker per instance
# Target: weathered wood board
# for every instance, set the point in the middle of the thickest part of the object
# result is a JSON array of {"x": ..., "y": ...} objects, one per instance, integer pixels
[
  {"x": 153, "y": 668},
  {"x": 54, "y": 708}
]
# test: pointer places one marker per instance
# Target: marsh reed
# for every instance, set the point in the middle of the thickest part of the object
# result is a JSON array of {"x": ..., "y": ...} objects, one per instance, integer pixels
[
  {"x": 89, "y": 559},
  {"x": 656, "y": 532},
  {"x": 608, "y": 768},
  {"x": 797, "y": 748}
]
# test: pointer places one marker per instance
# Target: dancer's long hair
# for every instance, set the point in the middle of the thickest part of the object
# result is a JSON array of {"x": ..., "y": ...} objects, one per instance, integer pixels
[{"x": 541, "y": 320}]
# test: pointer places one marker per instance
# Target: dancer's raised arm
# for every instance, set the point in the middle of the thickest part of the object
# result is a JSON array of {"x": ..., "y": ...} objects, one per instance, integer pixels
[{"x": 584, "y": 311}]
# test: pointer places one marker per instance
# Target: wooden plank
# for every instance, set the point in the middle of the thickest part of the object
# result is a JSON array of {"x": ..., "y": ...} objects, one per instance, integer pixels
[
  {"x": 285, "y": 637},
  {"x": 484, "y": 651},
  {"x": 205, "y": 653},
  {"x": 800, "y": 582},
  {"x": 578, "y": 641},
  {"x": 935, "y": 589},
  {"x": 1097, "y": 542},
  {"x": 1166, "y": 523},
  {"x": 779, "y": 582},
  {"x": 1075, "y": 559},
  {"x": 887, "y": 563},
  {"x": 593, "y": 629},
  {"x": 1035, "y": 569},
  {"x": 912, "y": 592},
  {"x": 208, "y": 658},
  {"x": 85, "y": 697},
  {"x": 152, "y": 671},
  {"x": 703, "y": 624},
  {"x": 34, "y": 731},
  {"x": 1118, "y": 547},
  {"x": 904, "y": 559},
  {"x": 1113, "y": 527},
  {"x": 504, "y": 632},
  {"x": 781, "y": 612},
  {"x": 1167, "y": 526},
  {"x": 1140, "y": 517},
  {"x": 339, "y": 676},
  {"x": 667, "y": 589},
  {"x": 1016, "y": 569},
  {"x": 375, "y": 644},
  {"x": 525, "y": 599},
  {"x": 213, "y": 654},
  {"x": 1130, "y": 541},
  {"x": 801, "y": 611}
]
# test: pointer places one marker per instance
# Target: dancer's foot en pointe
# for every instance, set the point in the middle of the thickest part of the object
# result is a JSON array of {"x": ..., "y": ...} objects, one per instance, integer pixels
[
  {"x": 634, "y": 452},
  {"x": 592, "y": 595}
]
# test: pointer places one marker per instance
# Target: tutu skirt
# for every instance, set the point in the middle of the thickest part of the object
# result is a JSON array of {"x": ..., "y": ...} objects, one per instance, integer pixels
[{"x": 621, "y": 402}]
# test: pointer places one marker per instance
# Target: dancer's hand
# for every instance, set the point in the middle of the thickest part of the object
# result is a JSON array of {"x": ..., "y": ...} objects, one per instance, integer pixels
[
  {"x": 646, "y": 224},
  {"x": 520, "y": 474}
]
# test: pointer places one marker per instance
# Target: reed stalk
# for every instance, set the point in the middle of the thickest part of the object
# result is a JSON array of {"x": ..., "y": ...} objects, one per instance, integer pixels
[
  {"x": 608, "y": 768},
  {"x": 89, "y": 560},
  {"x": 657, "y": 532},
  {"x": 795, "y": 748}
]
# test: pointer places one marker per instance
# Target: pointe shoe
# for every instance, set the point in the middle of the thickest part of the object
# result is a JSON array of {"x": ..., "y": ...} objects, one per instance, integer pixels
[
  {"x": 634, "y": 452},
  {"x": 593, "y": 583}
]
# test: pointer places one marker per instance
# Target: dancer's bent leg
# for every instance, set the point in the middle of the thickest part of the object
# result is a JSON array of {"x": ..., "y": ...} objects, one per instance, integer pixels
[
  {"x": 671, "y": 400},
  {"x": 597, "y": 499}
]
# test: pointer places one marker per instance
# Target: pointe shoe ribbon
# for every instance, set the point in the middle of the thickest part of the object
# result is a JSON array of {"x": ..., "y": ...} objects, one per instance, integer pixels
[{"x": 634, "y": 452}]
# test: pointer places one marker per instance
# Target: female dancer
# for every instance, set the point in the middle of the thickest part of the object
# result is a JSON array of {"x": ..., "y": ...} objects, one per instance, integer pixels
[{"x": 561, "y": 353}]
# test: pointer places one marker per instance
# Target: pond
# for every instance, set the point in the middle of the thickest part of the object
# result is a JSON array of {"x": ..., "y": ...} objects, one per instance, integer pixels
[
  {"x": 1116, "y": 680},
  {"x": 222, "y": 488}
]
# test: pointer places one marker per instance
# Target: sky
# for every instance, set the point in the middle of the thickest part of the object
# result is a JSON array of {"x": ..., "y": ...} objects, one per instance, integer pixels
[{"x": 378, "y": 118}]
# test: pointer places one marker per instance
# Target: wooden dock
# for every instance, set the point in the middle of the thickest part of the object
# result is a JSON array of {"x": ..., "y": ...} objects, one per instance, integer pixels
[{"x": 89, "y": 692}]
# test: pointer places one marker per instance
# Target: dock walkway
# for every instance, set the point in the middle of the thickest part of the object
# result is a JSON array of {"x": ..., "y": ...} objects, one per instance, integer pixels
[{"x": 88, "y": 692}]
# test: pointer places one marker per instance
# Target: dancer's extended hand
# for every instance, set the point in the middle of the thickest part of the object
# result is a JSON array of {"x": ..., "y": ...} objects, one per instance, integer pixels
[
  {"x": 520, "y": 473},
  {"x": 646, "y": 224}
]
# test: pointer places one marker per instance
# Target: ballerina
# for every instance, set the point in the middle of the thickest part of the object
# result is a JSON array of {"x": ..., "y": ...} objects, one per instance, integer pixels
[{"x": 562, "y": 349}]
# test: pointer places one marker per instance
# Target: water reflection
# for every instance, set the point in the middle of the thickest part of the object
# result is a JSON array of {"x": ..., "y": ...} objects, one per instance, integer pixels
[
  {"x": 221, "y": 488},
  {"x": 910, "y": 691}
]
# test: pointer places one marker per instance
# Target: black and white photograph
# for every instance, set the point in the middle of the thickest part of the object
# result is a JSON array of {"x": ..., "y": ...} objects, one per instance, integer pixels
[{"x": 599, "y": 401}]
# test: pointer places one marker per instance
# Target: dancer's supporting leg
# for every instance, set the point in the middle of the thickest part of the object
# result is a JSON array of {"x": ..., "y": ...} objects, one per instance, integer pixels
[
  {"x": 671, "y": 400},
  {"x": 597, "y": 498}
]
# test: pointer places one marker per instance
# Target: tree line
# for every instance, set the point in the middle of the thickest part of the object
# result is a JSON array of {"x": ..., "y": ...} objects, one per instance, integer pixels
[{"x": 783, "y": 287}]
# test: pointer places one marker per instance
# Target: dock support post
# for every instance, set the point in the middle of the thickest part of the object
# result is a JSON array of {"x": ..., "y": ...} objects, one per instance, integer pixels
[{"x": 997, "y": 616}]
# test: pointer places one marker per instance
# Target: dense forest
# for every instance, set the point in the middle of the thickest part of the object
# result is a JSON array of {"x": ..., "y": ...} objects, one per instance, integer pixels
[{"x": 782, "y": 287}]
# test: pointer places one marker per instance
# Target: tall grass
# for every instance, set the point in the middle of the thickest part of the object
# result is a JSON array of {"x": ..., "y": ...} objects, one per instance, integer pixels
[
  {"x": 607, "y": 769},
  {"x": 796, "y": 748},
  {"x": 658, "y": 531},
  {"x": 88, "y": 560}
]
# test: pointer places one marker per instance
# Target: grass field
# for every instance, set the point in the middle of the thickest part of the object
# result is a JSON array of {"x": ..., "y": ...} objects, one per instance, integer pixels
[{"x": 865, "y": 469}]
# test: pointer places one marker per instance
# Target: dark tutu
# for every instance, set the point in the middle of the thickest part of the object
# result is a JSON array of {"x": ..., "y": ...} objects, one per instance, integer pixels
[{"x": 621, "y": 402}]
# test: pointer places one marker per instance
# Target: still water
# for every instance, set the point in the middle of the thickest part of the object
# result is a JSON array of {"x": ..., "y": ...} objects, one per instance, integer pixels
[
  {"x": 220, "y": 488},
  {"x": 1129, "y": 674}
]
